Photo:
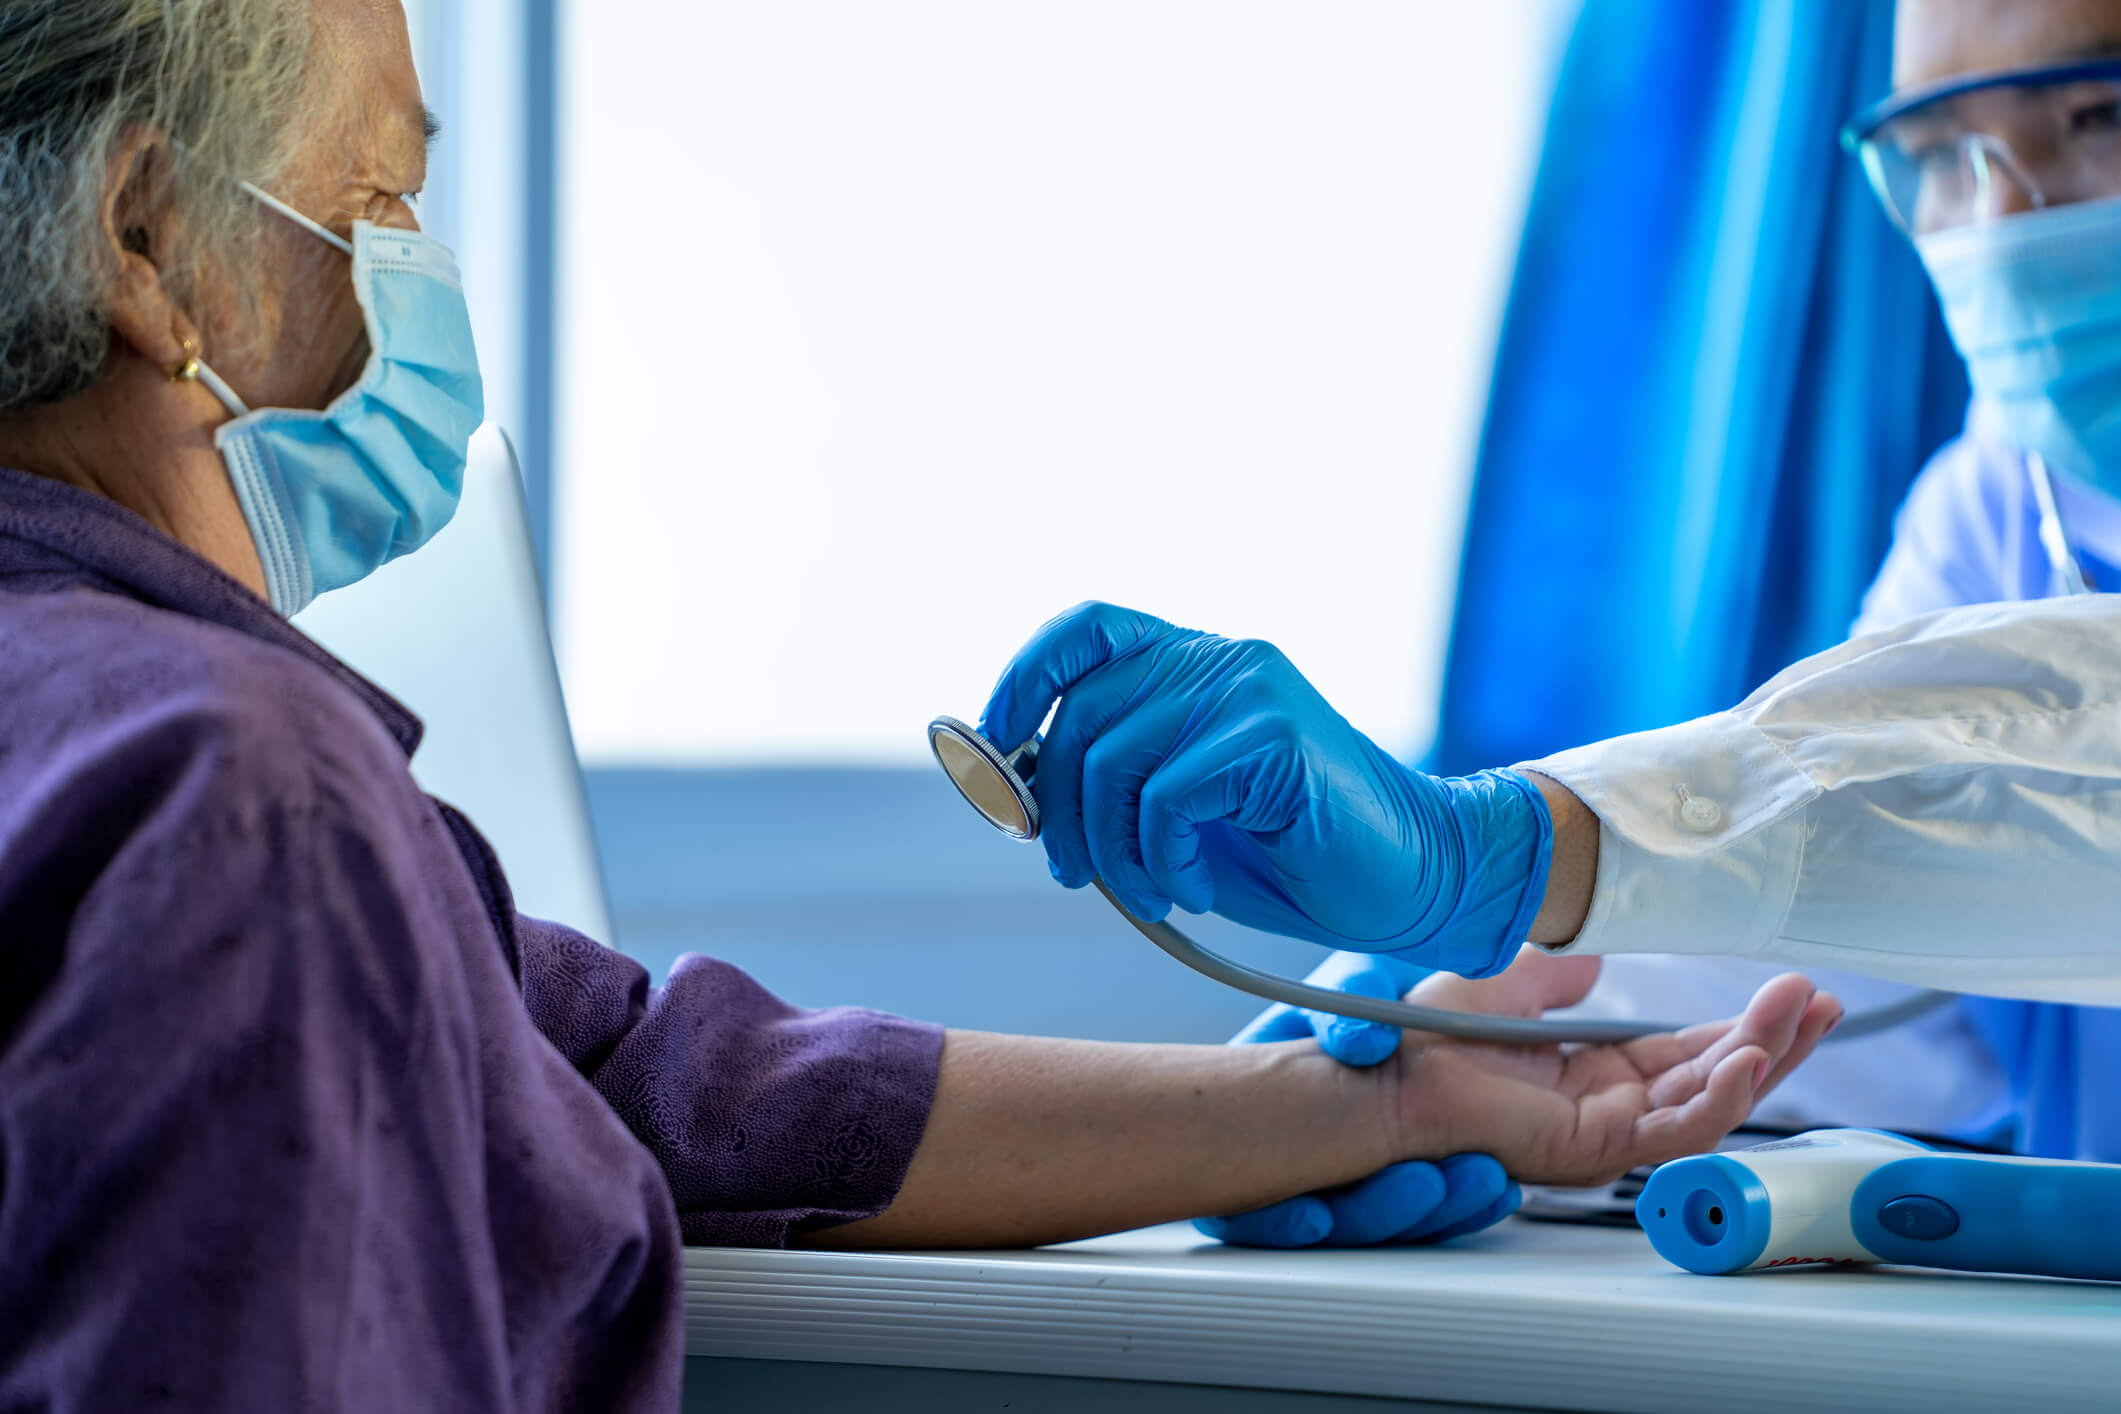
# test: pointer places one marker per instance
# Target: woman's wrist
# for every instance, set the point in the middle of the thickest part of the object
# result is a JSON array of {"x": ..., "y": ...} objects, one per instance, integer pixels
[
  {"x": 1324, "y": 1123},
  {"x": 1364, "y": 1109},
  {"x": 1033, "y": 1141}
]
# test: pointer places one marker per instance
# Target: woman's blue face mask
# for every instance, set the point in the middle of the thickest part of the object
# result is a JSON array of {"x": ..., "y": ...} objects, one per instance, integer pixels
[{"x": 330, "y": 496}]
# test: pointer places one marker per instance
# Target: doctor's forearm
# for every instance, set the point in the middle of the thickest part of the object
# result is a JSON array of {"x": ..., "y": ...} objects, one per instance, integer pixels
[
  {"x": 1034, "y": 1140},
  {"x": 1573, "y": 871},
  {"x": 1936, "y": 803}
]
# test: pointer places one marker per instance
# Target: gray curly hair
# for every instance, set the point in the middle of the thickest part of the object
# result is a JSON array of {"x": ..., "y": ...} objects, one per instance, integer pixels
[{"x": 220, "y": 80}]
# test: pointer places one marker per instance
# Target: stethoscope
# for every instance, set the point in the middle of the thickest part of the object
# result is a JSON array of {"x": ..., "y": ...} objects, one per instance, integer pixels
[
  {"x": 2067, "y": 576},
  {"x": 996, "y": 784}
]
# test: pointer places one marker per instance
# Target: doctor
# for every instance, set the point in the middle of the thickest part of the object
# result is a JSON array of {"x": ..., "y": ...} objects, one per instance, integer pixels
[{"x": 1900, "y": 806}]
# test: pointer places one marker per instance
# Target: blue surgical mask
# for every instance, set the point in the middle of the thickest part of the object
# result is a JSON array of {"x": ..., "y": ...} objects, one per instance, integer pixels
[
  {"x": 2034, "y": 305},
  {"x": 330, "y": 496}
]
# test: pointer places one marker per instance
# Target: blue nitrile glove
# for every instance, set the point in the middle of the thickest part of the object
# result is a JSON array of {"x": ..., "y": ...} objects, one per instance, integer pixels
[
  {"x": 1404, "y": 1203},
  {"x": 1394, "y": 1207},
  {"x": 1348, "y": 1039},
  {"x": 1202, "y": 771}
]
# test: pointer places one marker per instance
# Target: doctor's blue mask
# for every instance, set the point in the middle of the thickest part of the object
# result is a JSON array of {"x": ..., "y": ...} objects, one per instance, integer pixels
[
  {"x": 330, "y": 496},
  {"x": 2033, "y": 302}
]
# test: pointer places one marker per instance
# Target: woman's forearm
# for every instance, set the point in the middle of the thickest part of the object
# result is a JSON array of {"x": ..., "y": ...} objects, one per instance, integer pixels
[{"x": 1034, "y": 1140}]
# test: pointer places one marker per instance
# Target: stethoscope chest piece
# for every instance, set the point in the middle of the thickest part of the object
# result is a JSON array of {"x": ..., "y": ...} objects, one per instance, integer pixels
[{"x": 995, "y": 785}]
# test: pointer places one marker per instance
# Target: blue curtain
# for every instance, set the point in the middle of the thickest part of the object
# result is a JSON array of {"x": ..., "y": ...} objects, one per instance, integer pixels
[{"x": 1719, "y": 368}]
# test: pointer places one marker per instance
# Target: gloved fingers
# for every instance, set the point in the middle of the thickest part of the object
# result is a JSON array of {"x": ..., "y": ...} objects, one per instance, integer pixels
[
  {"x": 1474, "y": 1183},
  {"x": 1302, "y": 1221},
  {"x": 1196, "y": 784},
  {"x": 1352, "y": 1040},
  {"x": 1085, "y": 713},
  {"x": 1388, "y": 1202},
  {"x": 1348, "y": 1040},
  {"x": 1345, "y": 963},
  {"x": 1404, "y": 1203},
  {"x": 1062, "y": 653},
  {"x": 1279, "y": 1022},
  {"x": 1511, "y": 1200},
  {"x": 1122, "y": 759},
  {"x": 1227, "y": 775},
  {"x": 1058, "y": 788}
]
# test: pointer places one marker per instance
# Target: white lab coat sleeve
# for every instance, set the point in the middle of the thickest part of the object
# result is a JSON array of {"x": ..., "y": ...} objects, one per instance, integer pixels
[{"x": 1937, "y": 803}]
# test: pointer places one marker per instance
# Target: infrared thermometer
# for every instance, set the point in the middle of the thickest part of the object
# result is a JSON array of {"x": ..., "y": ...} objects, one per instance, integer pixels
[{"x": 1863, "y": 1195}]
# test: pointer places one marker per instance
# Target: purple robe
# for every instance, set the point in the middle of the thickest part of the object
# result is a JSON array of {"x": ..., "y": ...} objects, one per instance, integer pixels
[{"x": 296, "y": 1111}]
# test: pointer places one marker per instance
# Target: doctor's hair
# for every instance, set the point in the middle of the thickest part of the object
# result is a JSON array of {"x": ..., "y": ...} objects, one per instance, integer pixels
[{"x": 215, "y": 84}]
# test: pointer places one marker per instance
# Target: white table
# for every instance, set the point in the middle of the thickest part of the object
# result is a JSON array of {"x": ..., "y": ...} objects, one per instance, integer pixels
[{"x": 1528, "y": 1315}]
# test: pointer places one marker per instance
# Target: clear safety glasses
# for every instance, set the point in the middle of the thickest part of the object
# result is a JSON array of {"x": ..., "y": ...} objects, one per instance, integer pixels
[{"x": 1984, "y": 146}]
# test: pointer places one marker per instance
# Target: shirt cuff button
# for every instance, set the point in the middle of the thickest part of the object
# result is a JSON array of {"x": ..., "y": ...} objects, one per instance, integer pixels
[{"x": 1701, "y": 814}]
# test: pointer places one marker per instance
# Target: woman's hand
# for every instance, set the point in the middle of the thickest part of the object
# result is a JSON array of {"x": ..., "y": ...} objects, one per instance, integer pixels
[{"x": 1587, "y": 1114}]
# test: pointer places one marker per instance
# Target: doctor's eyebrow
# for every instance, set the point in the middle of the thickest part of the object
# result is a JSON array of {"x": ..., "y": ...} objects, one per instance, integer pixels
[{"x": 430, "y": 128}]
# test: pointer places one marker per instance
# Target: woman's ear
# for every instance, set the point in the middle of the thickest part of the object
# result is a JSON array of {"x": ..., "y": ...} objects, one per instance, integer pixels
[{"x": 139, "y": 229}]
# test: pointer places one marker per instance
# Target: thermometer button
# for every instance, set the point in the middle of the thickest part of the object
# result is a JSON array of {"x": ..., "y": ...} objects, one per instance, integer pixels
[{"x": 1920, "y": 1217}]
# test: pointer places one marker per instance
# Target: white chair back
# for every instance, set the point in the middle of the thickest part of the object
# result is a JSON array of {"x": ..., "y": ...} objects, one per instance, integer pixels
[{"x": 457, "y": 632}]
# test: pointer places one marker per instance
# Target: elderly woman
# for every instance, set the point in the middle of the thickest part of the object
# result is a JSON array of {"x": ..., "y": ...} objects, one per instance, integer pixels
[{"x": 296, "y": 1112}]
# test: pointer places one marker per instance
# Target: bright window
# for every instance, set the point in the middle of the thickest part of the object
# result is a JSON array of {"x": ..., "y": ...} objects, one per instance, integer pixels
[{"x": 888, "y": 330}]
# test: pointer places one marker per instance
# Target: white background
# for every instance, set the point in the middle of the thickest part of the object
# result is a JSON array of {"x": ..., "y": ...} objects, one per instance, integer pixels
[{"x": 888, "y": 330}]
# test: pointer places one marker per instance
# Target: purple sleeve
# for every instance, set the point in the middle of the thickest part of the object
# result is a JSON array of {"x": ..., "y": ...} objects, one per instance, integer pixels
[
  {"x": 768, "y": 1120},
  {"x": 249, "y": 1117}
]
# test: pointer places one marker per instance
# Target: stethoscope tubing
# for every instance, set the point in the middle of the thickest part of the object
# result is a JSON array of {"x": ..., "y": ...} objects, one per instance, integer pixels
[
  {"x": 2065, "y": 572},
  {"x": 1464, "y": 1025}
]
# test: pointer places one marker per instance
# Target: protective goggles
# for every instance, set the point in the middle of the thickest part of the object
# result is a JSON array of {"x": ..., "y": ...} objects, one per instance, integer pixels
[{"x": 1983, "y": 146}]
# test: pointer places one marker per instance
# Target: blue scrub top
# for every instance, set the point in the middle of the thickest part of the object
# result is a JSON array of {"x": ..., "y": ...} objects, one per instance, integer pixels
[{"x": 1969, "y": 533}]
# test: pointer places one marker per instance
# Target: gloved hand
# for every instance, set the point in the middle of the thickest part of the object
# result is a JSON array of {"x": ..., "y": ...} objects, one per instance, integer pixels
[
  {"x": 1348, "y": 1039},
  {"x": 1206, "y": 772},
  {"x": 1405, "y": 1203},
  {"x": 1397, "y": 1206}
]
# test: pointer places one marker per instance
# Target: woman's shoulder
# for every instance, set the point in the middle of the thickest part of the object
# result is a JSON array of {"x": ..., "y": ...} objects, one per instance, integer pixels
[{"x": 91, "y": 680}]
